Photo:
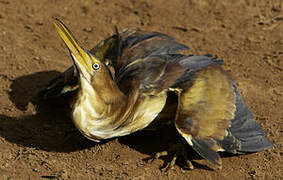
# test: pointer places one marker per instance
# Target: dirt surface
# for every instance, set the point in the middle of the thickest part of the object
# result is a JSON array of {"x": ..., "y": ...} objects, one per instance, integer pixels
[{"x": 38, "y": 140}]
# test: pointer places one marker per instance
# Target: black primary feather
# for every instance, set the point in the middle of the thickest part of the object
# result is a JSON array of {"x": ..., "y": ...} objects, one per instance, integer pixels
[
  {"x": 204, "y": 148},
  {"x": 245, "y": 134}
]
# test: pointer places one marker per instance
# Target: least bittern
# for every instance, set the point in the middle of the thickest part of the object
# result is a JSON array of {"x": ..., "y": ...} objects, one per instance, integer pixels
[{"x": 122, "y": 85}]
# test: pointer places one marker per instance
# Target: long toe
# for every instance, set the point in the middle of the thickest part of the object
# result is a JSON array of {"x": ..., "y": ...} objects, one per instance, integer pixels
[{"x": 178, "y": 149}]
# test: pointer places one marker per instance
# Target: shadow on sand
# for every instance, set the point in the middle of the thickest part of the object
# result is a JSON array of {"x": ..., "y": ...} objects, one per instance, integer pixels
[{"x": 50, "y": 128}]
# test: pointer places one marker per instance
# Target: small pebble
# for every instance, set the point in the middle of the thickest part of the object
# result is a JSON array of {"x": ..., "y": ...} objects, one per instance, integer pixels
[
  {"x": 39, "y": 23},
  {"x": 88, "y": 29},
  {"x": 35, "y": 170},
  {"x": 36, "y": 58}
]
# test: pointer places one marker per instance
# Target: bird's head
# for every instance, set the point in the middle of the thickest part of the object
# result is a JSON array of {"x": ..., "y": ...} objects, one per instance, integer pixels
[
  {"x": 88, "y": 66},
  {"x": 93, "y": 73}
]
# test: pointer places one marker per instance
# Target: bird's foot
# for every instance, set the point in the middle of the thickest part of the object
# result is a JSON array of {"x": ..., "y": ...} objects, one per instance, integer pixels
[{"x": 178, "y": 150}]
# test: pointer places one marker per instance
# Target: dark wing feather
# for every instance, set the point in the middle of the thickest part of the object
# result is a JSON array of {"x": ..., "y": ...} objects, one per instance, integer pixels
[
  {"x": 65, "y": 82},
  {"x": 151, "y": 44},
  {"x": 245, "y": 134},
  {"x": 151, "y": 75},
  {"x": 192, "y": 64}
]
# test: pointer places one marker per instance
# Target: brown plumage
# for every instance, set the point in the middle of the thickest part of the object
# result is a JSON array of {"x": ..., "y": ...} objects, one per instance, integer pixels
[{"x": 122, "y": 85}]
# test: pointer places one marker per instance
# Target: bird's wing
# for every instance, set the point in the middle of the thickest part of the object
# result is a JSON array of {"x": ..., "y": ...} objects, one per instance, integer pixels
[
  {"x": 206, "y": 107},
  {"x": 138, "y": 44},
  {"x": 65, "y": 82},
  {"x": 211, "y": 115},
  {"x": 151, "y": 75}
]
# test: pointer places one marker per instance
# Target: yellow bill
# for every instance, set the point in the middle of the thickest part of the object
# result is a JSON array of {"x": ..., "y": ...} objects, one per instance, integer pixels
[{"x": 79, "y": 54}]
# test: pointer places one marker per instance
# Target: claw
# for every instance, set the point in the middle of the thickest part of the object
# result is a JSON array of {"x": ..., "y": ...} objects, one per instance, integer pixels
[
  {"x": 179, "y": 150},
  {"x": 171, "y": 165},
  {"x": 186, "y": 158},
  {"x": 160, "y": 154}
]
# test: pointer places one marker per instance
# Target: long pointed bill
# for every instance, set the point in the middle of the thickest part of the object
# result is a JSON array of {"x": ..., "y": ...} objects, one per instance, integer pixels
[{"x": 82, "y": 59}]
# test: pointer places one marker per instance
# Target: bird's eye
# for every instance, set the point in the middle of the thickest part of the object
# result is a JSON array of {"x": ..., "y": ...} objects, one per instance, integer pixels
[{"x": 95, "y": 66}]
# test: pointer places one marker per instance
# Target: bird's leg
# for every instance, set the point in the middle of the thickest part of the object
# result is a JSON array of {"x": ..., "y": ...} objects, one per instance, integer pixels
[{"x": 179, "y": 150}]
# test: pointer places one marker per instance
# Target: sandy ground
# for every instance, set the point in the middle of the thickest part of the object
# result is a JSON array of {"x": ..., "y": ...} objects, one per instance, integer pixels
[{"x": 38, "y": 140}]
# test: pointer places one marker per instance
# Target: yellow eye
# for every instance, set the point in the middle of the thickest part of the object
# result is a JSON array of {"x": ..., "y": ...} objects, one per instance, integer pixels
[{"x": 95, "y": 66}]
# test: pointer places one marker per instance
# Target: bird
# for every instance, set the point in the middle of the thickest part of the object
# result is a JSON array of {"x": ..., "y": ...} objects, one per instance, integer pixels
[{"x": 125, "y": 82}]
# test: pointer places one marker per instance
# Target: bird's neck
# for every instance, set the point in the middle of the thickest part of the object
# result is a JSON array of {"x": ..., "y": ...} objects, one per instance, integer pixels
[
  {"x": 100, "y": 117},
  {"x": 100, "y": 108},
  {"x": 107, "y": 96}
]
